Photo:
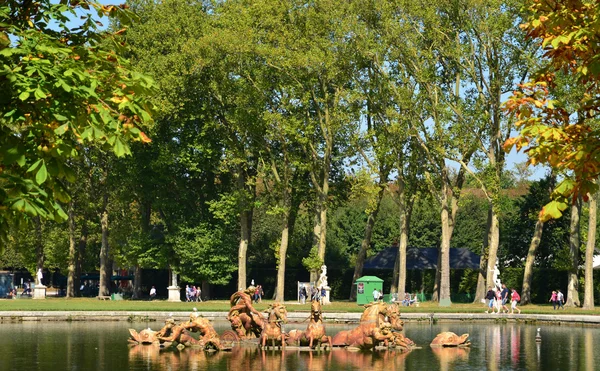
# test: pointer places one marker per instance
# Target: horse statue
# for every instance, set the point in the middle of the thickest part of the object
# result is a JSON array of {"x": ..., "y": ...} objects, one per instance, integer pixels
[
  {"x": 315, "y": 331},
  {"x": 272, "y": 330},
  {"x": 393, "y": 317},
  {"x": 372, "y": 329},
  {"x": 246, "y": 322}
]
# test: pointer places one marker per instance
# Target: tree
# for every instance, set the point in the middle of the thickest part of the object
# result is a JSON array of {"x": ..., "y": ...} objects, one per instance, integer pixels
[
  {"x": 63, "y": 87},
  {"x": 588, "y": 298},
  {"x": 536, "y": 237},
  {"x": 574, "y": 243},
  {"x": 554, "y": 132}
]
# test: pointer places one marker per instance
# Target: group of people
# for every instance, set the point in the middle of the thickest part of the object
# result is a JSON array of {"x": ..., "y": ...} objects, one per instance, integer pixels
[
  {"x": 498, "y": 298},
  {"x": 193, "y": 293},
  {"x": 258, "y": 294},
  {"x": 558, "y": 299},
  {"x": 315, "y": 294}
]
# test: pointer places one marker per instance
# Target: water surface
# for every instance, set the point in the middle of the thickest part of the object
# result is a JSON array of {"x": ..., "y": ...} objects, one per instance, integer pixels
[{"x": 49, "y": 346}]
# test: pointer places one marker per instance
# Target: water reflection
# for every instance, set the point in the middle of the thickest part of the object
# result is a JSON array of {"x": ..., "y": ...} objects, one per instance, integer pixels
[
  {"x": 448, "y": 356},
  {"x": 78, "y": 346}
]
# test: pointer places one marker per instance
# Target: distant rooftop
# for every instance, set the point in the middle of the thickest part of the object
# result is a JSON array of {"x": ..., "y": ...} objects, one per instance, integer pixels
[{"x": 423, "y": 258}]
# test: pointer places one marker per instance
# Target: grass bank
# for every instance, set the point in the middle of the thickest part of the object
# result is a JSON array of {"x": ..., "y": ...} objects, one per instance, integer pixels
[{"x": 93, "y": 304}]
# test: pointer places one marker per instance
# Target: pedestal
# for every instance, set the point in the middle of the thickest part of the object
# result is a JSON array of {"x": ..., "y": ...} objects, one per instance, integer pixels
[
  {"x": 326, "y": 298},
  {"x": 174, "y": 293},
  {"x": 39, "y": 292}
]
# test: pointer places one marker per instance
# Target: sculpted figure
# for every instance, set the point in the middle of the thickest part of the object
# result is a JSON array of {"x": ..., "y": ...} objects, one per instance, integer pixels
[
  {"x": 40, "y": 276},
  {"x": 397, "y": 326},
  {"x": 174, "y": 332},
  {"x": 379, "y": 322},
  {"x": 148, "y": 336},
  {"x": 314, "y": 335},
  {"x": 322, "y": 281},
  {"x": 450, "y": 339},
  {"x": 209, "y": 339},
  {"x": 272, "y": 330},
  {"x": 246, "y": 321}
]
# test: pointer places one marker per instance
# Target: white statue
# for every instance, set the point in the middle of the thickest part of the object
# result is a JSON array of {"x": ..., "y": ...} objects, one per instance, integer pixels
[
  {"x": 496, "y": 276},
  {"x": 39, "y": 275},
  {"x": 322, "y": 282},
  {"x": 173, "y": 279}
]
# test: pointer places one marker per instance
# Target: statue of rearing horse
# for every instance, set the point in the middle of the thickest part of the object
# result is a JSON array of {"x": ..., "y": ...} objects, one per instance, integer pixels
[
  {"x": 372, "y": 329},
  {"x": 272, "y": 330},
  {"x": 315, "y": 332}
]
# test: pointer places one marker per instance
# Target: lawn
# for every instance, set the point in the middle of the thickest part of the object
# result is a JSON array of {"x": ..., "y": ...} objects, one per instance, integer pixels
[{"x": 93, "y": 304}]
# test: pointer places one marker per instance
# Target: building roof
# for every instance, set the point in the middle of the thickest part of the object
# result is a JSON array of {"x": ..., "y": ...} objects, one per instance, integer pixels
[
  {"x": 369, "y": 279},
  {"x": 423, "y": 258}
]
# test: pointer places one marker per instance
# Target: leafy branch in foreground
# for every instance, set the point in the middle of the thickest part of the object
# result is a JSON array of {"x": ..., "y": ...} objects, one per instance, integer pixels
[
  {"x": 554, "y": 129},
  {"x": 63, "y": 87}
]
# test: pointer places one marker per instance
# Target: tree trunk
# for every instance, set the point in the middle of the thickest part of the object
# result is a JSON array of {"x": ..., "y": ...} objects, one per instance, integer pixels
[
  {"x": 71, "y": 285},
  {"x": 395, "y": 273},
  {"x": 366, "y": 242},
  {"x": 444, "y": 299},
  {"x": 279, "y": 296},
  {"x": 528, "y": 274},
  {"x": 245, "y": 226},
  {"x": 588, "y": 300},
  {"x": 81, "y": 253},
  {"x": 104, "y": 288},
  {"x": 574, "y": 240},
  {"x": 316, "y": 238},
  {"x": 405, "y": 214},
  {"x": 481, "y": 289},
  {"x": 243, "y": 249},
  {"x": 323, "y": 219},
  {"x": 137, "y": 282},
  {"x": 435, "y": 296},
  {"x": 494, "y": 233}
]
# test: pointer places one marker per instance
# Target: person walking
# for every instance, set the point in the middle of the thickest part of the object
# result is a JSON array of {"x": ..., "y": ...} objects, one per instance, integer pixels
[
  {"x": 554, "y": 299},
  {"x": 560, "y": 298},
  {"x": 188, "y": 293},
  {"x": 504, "y": 294},
  {"x": 498, "y": 303},
  {"x": 152, "y": 293},
  {"x": 515, "y": 297},
  {"x": 376, "y": 295},
  {"x": 490, "y": 296}
]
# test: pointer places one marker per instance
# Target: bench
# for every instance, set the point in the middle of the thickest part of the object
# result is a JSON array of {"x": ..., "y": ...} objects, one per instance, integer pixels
[{"x": 103, "y": 297}]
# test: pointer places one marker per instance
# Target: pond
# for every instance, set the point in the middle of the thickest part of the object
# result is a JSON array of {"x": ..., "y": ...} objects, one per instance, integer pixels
[{"x": 61, "y": 346}]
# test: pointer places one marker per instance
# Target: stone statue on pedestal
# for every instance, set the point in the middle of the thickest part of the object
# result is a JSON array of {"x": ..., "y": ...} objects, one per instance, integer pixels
[{"x": 40, "y": 276}]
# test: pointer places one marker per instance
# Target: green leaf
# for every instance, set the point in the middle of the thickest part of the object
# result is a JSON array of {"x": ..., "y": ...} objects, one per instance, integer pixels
[
  {"x": 61, "y": 129},
  {"x": 552, "y": 210},
  {"x": 18, "y": 205},
  {"x": 34, "y": 166},
  {"x": 60, "y": 117},
  {"x": 42, "y": 174},
  {"x": 24, "y": 96},
  {"x": 39, "y": 94},
  {"x": 119, "y": 148}
]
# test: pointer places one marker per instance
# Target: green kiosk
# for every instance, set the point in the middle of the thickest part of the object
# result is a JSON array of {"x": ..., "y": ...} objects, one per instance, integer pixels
[{"x": 364, "y": 288}]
